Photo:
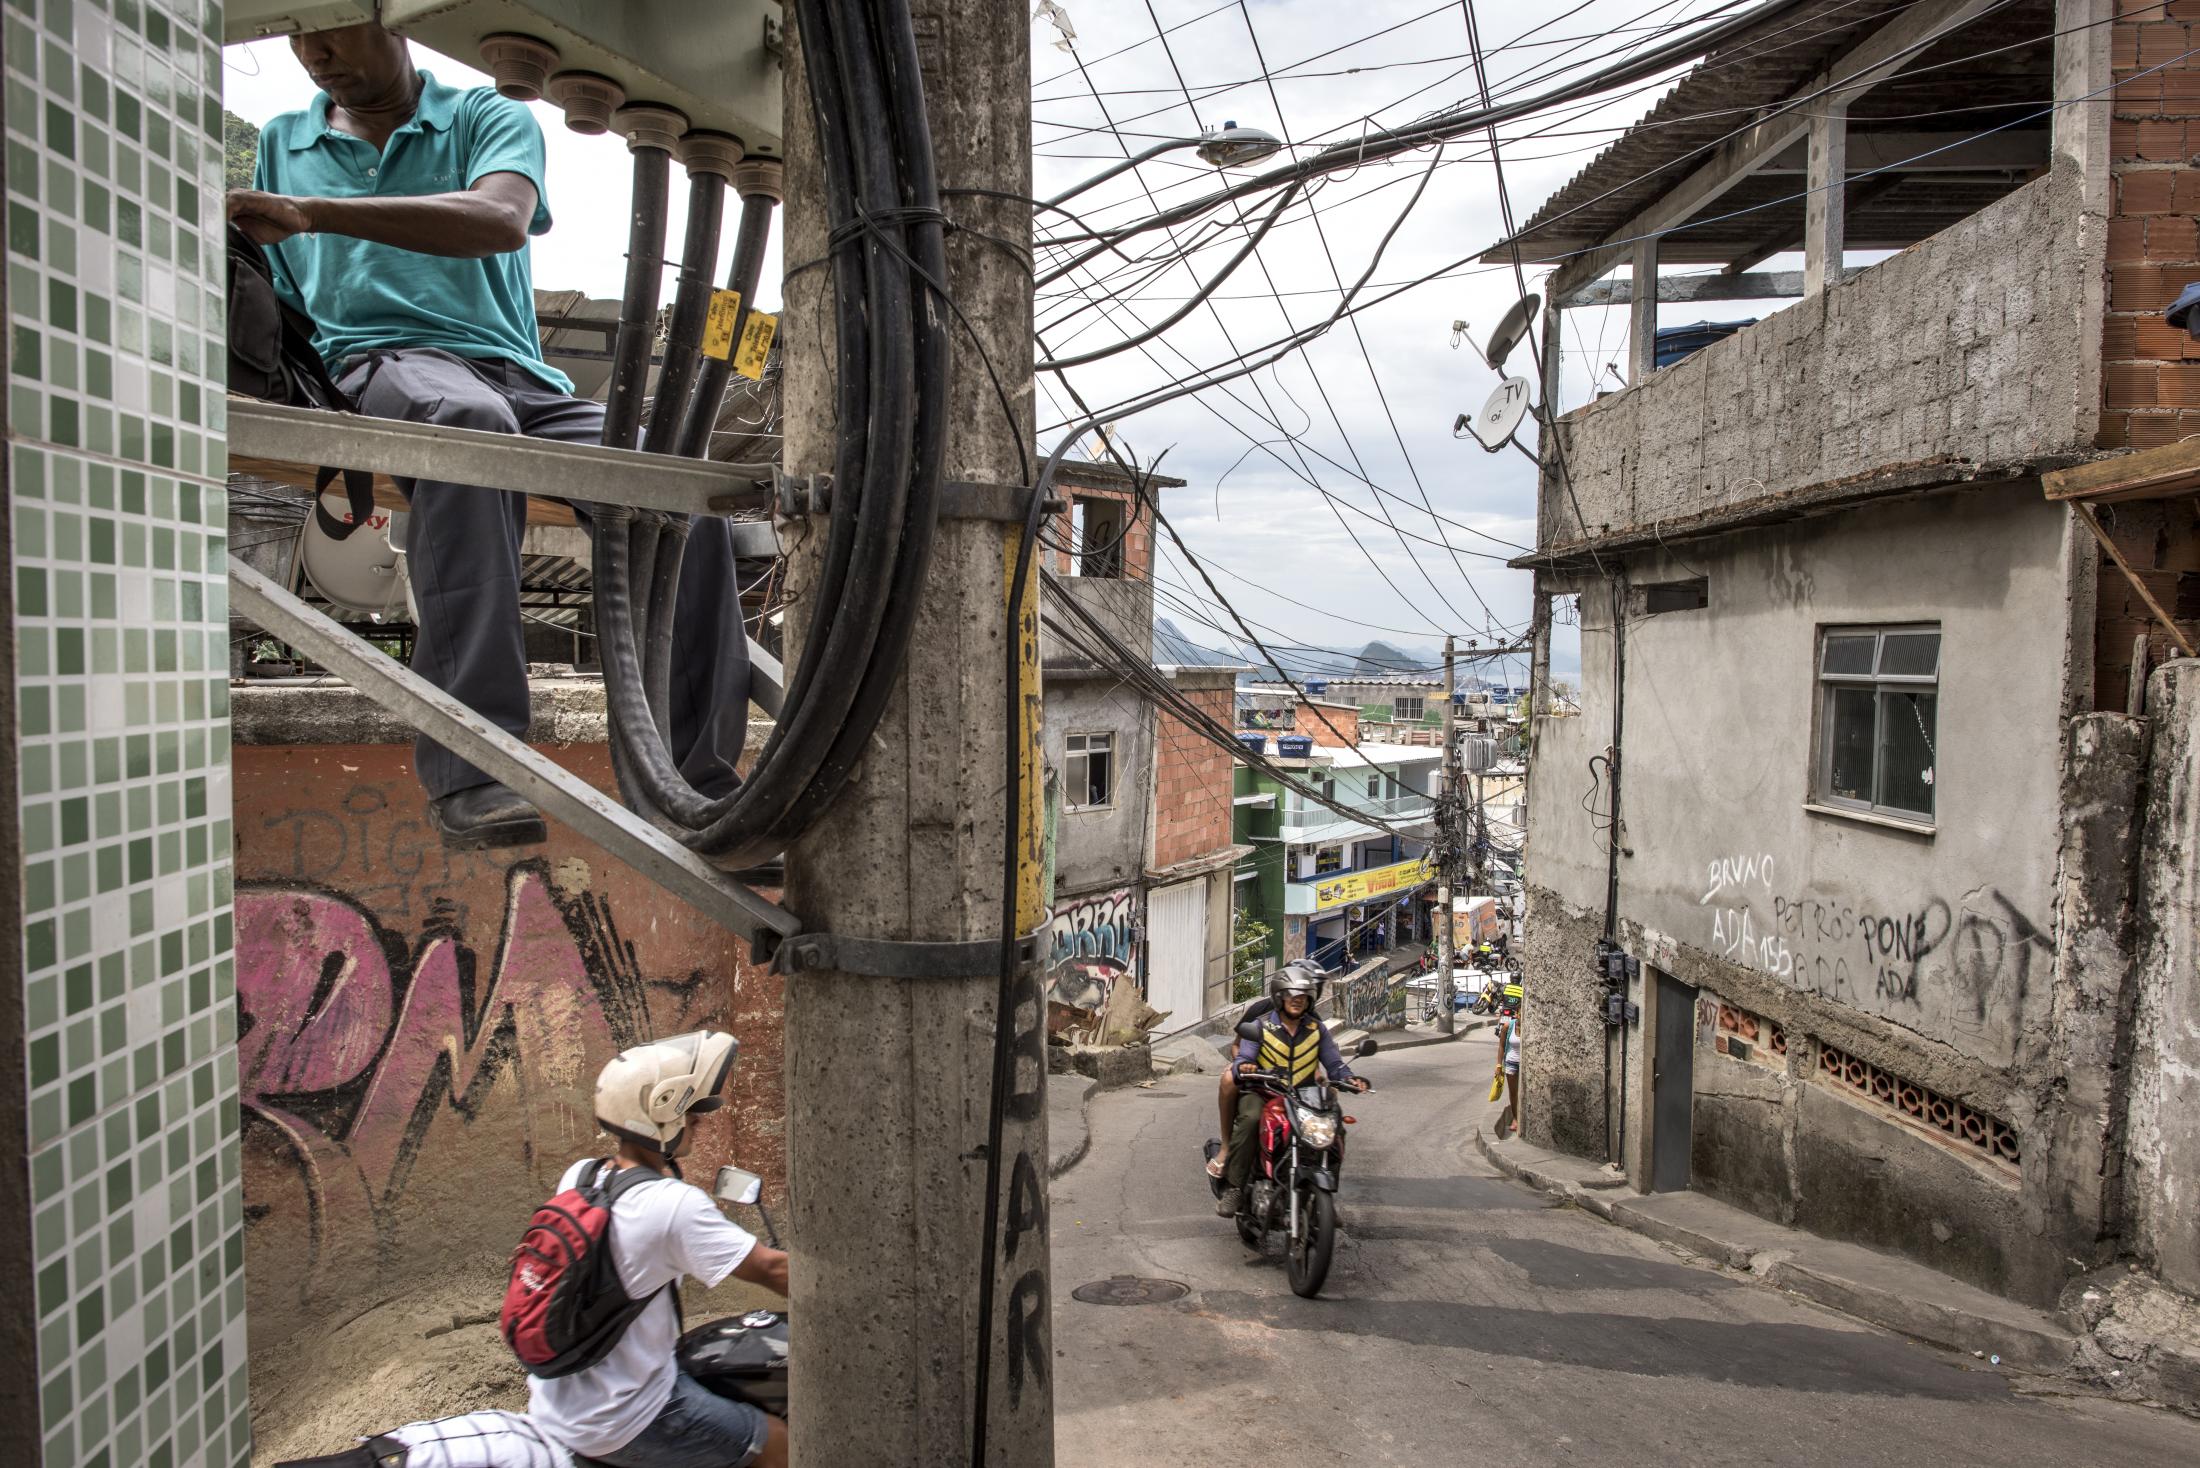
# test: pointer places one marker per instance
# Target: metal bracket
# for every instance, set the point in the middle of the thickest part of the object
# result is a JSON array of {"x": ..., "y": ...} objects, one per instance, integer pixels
[
  {"x": 797, "y": 495},
  {"x": 885, "y": 958}
]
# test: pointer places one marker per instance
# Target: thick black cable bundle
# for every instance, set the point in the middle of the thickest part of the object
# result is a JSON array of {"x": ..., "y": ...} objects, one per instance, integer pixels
[{"x": 882, "y": 205}]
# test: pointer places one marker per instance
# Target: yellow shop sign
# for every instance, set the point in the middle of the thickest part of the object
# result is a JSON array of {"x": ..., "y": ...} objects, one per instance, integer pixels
[{"x": 1375, "y": 882}]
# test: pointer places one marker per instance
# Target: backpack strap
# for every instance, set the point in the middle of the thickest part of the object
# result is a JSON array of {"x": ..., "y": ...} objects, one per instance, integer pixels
[
  {"x": 358, "y": 489},
  {"x": 609, "y": 1193}
]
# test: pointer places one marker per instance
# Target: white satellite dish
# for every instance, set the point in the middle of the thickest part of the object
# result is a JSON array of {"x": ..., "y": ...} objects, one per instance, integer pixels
[
  {"x": 1510, "y": 330},
  {"x": 1501, "y": 415},
  {"x": 364, "y": 573}
]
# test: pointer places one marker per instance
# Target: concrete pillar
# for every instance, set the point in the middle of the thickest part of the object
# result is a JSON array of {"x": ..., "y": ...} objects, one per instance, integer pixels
[
  {"x": 888, "y": 1078},
  {"x": 1825, "y": 209},
  {"x": 2162, "y": 1141},
  {"x": 1642, "y": 316}
]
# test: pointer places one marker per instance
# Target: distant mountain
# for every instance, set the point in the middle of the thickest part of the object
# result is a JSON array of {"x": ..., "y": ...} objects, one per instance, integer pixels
[
  {"x": 1172, "y": 648},
  {"x": 1375, "y": 659}
]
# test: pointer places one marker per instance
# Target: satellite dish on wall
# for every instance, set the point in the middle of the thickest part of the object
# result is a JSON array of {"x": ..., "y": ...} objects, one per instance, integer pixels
[
  {"x": 1510, "y": 330},
  {"x": 363, "y": 574},
  {"x": 1500, "y": 416}
]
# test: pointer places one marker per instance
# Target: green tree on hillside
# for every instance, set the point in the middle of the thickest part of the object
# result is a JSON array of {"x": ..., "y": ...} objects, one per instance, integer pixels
[{"x": 240, "y": 147}]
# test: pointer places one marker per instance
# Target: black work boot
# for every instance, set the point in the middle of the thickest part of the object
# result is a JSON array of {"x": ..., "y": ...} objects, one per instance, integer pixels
[{"x": 483, "y": 816}]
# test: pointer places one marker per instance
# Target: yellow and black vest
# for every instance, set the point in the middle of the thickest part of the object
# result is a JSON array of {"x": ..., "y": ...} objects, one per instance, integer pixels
[{"x": 1295, "y": 1059}]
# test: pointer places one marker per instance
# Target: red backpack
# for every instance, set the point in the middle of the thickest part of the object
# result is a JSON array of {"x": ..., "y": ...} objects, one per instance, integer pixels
[{"x": 564, "y": 1307}]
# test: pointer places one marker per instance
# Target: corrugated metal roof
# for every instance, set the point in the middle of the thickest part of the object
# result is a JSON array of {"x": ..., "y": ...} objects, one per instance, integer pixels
[{"x": 1951, "y": 87}]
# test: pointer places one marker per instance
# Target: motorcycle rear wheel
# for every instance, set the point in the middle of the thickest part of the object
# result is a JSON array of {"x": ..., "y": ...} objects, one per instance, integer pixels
[
  {"x": 1306, "y": 1258},
  {"x": 1249, "y": 1232}
]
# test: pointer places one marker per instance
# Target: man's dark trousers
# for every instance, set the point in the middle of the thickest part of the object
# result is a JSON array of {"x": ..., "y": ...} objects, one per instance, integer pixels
[{"x": 463, "y": 549}]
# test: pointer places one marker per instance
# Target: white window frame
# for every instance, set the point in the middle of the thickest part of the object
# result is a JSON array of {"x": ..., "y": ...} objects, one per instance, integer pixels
[
  {"x": 1880, "y": 684},
  {"x": 1077, "y": 751}
]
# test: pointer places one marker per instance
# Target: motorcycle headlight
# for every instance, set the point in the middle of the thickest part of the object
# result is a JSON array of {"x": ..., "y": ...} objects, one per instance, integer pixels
[{"x": 1317, "y": 1128}]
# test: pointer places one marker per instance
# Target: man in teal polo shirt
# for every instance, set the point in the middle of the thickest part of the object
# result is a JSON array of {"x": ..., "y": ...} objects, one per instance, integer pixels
[{"x": 397, "y": 211}]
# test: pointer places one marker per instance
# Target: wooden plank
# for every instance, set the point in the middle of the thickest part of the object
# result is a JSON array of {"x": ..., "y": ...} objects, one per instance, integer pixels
[
  {"x": 2156, "y": 473},
  {"x": 285, "y": 471}
]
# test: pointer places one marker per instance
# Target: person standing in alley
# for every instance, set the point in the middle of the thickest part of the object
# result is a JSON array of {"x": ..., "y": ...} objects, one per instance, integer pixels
[
  {"x": 396, "y": 212},
  {"x": 1508, "y": 1066}
]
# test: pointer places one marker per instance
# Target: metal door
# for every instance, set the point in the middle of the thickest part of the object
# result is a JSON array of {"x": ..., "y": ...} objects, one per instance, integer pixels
[
  {"x": 1672, "y": 1085},
  {"x": 1176, "y": 952}
]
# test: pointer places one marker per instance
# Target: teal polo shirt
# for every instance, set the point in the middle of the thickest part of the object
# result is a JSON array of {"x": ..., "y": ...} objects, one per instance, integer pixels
[{"x": 364, "y": 297}]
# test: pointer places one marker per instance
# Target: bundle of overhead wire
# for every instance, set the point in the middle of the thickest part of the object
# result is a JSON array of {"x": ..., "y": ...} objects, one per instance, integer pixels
[{"x": 877, "y": 175}]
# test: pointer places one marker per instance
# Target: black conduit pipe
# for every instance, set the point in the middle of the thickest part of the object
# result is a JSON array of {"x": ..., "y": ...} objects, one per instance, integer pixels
[
  {"x": 890, "y": 340},
  {"x": 758, "y": 181},
  {"x": 645, "y": 268},
  {"x": 707, "y": 170}
]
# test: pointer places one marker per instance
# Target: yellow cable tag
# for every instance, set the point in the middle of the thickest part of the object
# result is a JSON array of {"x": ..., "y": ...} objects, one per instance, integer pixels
[
  {"x": 718, "y": 325},
  {"x": 756, "y": 345}
]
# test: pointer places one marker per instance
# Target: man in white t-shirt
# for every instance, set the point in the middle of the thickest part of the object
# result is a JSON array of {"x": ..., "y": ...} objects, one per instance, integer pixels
[{"x": 635, "y": 1408}]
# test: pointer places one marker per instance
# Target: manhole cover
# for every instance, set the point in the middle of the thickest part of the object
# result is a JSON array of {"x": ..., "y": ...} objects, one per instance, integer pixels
[{"x": 1129, "y": 1289}]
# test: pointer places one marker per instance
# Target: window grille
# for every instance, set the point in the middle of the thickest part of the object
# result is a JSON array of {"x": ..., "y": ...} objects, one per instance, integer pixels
[{"x": 1951, "y": 1121}]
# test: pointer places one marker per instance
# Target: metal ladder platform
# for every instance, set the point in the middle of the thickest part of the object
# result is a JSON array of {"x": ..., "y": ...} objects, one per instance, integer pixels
[{"x": 289, "y": 444}]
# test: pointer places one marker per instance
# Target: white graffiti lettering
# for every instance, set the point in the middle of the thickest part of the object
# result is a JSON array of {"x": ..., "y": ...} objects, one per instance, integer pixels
[{"x": 1736, "y": 871}]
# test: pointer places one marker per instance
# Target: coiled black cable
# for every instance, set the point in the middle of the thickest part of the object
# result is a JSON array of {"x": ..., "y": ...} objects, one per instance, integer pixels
[{"x": 882, "y": 203}]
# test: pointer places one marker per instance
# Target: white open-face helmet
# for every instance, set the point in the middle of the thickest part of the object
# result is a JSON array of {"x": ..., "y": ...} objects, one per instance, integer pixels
[
  {"x": 646, "y": 1094},
  {"x": 1296, "y": 977}
]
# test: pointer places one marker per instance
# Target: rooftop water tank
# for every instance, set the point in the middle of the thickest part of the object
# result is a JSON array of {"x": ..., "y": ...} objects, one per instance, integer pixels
[
  {"x": 1295, "y": 746},
  {"x": 1316, "y": 687},
  {"x": 1257, "y": 743}
]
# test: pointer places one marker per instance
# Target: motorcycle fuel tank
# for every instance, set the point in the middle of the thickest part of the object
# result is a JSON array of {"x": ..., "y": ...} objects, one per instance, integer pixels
[{"x": 742, "y": 1356}]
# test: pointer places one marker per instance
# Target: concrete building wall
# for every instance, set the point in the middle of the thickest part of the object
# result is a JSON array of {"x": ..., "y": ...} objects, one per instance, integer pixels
[
  {"x": 1105, "y": 846},
  {"x": 2162, "y": 1172},
  {"x": 123, "y": 1238},
  {"x": 1964, "y": 353},
  {"x": 1921, "y": 962},
  {"x": 421, "y": 1030}
]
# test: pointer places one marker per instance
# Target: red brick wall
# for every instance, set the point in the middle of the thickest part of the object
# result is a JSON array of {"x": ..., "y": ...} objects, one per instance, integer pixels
[
  {"x": 2150, "y": 392},
  {"x": 1137, "y": 544},
  {"x": 1330, "y": 723},
  {"x": 1191, "y": 781}
]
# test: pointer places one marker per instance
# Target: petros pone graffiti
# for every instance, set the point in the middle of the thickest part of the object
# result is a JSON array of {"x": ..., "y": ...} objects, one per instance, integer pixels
[{"x": 1980, "y": 949}]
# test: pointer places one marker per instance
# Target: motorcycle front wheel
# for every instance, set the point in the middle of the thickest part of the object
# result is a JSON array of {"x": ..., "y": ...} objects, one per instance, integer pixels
[{"x": 1306, "y": 1260}]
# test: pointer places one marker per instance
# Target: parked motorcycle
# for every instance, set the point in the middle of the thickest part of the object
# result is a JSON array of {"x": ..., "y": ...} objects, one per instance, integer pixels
[{"x": 1300, "y": 1157}]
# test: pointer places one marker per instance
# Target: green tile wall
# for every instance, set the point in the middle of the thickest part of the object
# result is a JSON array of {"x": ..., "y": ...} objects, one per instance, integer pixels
[{"x": 116, "y": 503}]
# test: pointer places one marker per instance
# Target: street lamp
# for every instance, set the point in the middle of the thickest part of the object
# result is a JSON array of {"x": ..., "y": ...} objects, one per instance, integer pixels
[
  {"x": 1228, "y": 146},
  {"x": 1231, "y": 146}
]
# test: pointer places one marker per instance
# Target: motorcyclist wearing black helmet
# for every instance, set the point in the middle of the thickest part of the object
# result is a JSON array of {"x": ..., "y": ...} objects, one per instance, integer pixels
[{"x": 1293, "y": 1041}]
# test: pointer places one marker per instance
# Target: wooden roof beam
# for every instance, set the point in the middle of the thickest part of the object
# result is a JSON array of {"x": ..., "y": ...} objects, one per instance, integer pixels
[{"x": 1878, "y": 56}]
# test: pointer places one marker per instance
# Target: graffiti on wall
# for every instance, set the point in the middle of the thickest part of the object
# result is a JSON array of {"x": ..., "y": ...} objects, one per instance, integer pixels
[
  {"x": 1980, "y": 949},
  {"x": 352, "y": 1040},
  {"x": 1104, "y": 925}
]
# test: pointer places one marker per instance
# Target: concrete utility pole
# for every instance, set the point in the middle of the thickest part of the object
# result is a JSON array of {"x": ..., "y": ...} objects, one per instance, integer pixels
[
  {"x": 1446, "y": 782},
  {"x": 888, "y": 1078}
]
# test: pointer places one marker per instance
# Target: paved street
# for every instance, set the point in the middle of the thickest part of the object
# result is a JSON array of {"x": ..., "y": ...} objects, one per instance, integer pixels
[{"x": 1468, "y": 1321}]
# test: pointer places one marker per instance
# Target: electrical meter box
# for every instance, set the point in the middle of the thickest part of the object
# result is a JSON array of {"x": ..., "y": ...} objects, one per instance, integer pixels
[{"x": 717, "y": 61}]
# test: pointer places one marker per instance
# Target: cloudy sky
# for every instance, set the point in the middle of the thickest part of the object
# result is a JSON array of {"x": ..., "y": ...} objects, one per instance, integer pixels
[{"x": 1327, "y": 495}]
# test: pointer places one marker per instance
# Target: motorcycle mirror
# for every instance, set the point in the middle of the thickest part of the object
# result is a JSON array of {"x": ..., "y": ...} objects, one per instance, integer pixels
[
  {"x": 1365, "y": 1048},
  {"x": 1249, "y": 1030},
  {"x": 737, "y": 1186}
]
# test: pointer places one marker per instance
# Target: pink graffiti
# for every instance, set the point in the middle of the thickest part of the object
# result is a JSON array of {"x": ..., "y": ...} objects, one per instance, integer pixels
[{"x": 334, "y": 1008}]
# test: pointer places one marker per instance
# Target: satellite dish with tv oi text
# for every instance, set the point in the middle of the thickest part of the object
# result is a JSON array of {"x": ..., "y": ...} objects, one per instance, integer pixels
[{"x": 1501, "y": 415}]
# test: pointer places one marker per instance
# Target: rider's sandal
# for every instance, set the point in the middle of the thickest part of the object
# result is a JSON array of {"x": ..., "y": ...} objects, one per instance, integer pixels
[{"x": 1214, "y": 1167}]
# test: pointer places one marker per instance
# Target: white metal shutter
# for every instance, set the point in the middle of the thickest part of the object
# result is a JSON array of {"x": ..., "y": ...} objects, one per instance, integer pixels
[{"x": 1176, "y": 951}]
